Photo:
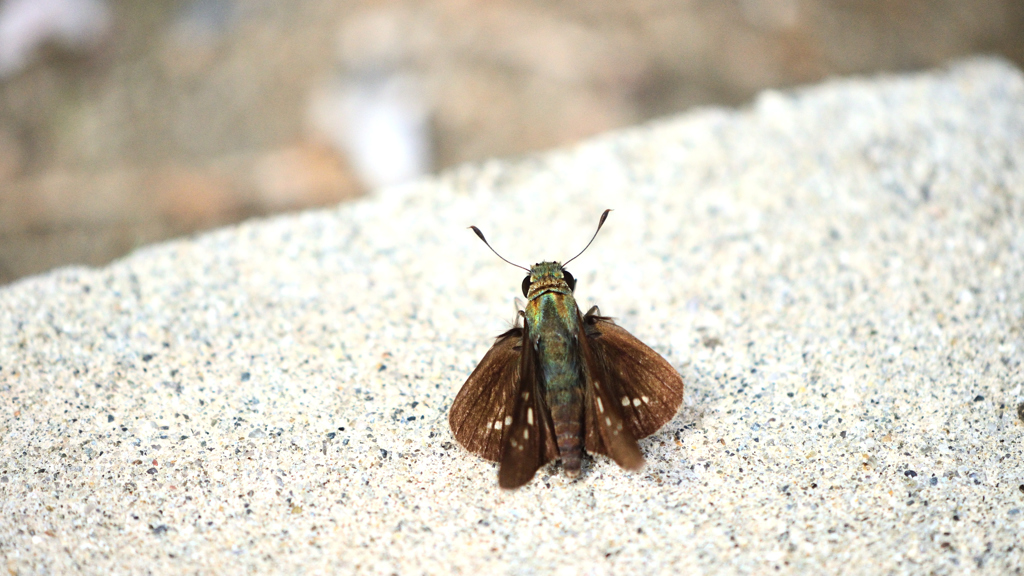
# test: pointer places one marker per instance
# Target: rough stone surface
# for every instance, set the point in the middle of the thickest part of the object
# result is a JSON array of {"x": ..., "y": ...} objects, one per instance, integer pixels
[{"x": 837, "y": 272}]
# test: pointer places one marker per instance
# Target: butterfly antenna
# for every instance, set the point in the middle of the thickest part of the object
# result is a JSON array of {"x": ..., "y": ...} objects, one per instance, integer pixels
[
  {"x": 604, "y": 216},
  {"x": 481, "y": 235}
]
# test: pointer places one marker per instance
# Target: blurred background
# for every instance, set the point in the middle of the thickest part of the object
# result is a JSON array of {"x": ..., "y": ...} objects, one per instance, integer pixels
[{"x": 123, "y": 122}]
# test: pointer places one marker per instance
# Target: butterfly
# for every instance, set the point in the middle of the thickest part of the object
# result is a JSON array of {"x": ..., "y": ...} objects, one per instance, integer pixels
[{"x": 561, "y": 383}]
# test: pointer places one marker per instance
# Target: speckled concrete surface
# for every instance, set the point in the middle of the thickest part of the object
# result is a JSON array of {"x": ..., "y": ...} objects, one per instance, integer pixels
[{"x": 837, "y": 272}]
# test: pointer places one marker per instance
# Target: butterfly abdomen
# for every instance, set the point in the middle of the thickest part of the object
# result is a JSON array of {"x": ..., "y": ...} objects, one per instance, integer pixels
[{"x": 554, "y": 336}]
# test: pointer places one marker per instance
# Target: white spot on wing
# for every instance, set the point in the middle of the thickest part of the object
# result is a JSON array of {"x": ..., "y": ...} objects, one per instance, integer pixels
[
  {"x": 636, "y": 401},
  {"x": 497, "y": 425},
  {"x": 526, "y": 434},
  {"x": 645, "y": 399},
  {"x": 508, "y": 420},
  {"x": 600, "y": 406},
  {"x": 625, "y": 400},
  {"x": 529, "y": 416},
  {"x": 608, "y": 421}
]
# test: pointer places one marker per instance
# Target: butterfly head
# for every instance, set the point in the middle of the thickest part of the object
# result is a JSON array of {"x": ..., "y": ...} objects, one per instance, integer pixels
[{"x": 548, "y": 277}]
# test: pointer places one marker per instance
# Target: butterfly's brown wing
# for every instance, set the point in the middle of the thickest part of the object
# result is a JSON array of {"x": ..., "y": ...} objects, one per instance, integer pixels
[
  {"x": 479, "y": 413},
  {"x": 644, "y": 386},
  {"x": 606, "y": 430},
  {"x": 529, "y": 441}
]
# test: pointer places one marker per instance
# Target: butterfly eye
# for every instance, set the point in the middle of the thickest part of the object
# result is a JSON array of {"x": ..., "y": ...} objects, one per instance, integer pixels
[
  {"x": 569, "y": 280},
  {"x": 526, "y": 286}
]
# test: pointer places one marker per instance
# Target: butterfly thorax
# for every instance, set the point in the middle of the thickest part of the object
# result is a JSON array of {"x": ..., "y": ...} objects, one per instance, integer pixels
[{"x": 553, "y": 325}]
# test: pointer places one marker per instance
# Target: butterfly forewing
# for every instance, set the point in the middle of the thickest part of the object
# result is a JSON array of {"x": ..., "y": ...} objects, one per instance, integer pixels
[
  {"x": 529, "y": 441},
  {"x": 646, "y": 388},
  {"x": 607, "y": 431},
  {"x": 481, "y": 409}
]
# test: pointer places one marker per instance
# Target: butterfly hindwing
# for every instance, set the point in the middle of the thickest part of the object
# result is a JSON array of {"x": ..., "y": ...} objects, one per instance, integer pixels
[
  {"x": 482, "y": 407},
  {"x": 645, "y": 388}
]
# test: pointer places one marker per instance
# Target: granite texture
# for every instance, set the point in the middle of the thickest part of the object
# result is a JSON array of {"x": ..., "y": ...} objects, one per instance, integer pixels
[{"x": 836, "y": 271}]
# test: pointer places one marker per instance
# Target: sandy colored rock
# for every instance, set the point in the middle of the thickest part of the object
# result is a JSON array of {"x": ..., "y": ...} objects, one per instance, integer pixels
[{"x": 837, "y": 272}]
